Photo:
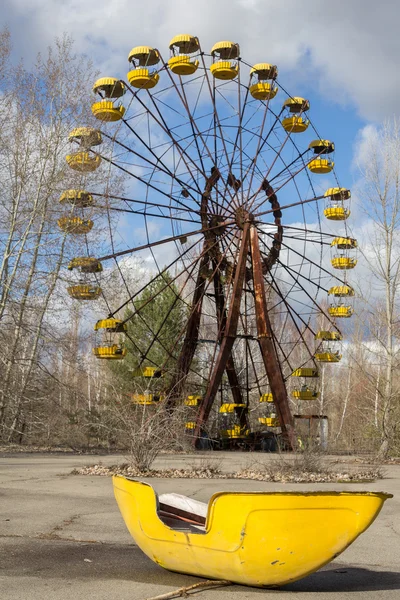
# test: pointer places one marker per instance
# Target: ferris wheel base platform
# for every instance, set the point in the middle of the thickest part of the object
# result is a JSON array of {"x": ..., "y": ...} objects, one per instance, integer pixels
[{"x": 262, "y": 539}]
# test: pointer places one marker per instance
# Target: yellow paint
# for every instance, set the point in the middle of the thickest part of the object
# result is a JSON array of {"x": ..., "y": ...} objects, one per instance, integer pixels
[
  {"x": 83, "y": 162},
  {"x": 75, "y": 225},
  {"x": 224, "y": 69},
  {"x": 143, "y": 78},
  {"x": 258, "y": 539},
  {"x": 183, "y": 65},
  {"x": 295, "y": 124},
  {"x": 84, "y": 292},
  {"x": 263, "y": 90},
  {"x": 321, "y": 165}
]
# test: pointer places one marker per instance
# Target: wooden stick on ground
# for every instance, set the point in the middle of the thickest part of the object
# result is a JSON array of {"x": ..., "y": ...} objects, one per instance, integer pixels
[{"x": 197, "y": 587}]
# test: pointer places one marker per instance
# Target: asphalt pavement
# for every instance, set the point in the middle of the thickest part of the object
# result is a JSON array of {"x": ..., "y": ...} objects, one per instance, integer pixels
[{"x": 62, "y": 537}]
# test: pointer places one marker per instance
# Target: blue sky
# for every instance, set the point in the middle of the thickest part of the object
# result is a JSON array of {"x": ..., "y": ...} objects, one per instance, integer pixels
[{"x": 342, "y": 56}]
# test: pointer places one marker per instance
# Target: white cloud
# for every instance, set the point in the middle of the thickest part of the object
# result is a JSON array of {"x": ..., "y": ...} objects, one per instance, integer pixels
[{"x": 350, "y": 49}]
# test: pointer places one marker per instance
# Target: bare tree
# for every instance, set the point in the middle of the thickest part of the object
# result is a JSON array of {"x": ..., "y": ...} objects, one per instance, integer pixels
[{"x": 380, "y": 192}]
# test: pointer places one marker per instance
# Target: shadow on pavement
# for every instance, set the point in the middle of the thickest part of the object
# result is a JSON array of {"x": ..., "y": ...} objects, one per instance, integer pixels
[{"x": 65, "y": 559}]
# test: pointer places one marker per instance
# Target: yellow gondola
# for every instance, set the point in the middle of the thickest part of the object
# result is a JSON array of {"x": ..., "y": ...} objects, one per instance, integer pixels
[
  {"x": 344, "y": 243},
  {"x": 224, "y": 64},
  {"x": 181, "y": 61},
  {"x": 295, "y": 123},
  {"x": 341, "y": 291},
  {"x": 335, "y": 194},
  {"x": 341, "y": 311},
  {"x": 259, "y": 539},
  {"x": 266, "y": 398},
  {"x": 330, "y": 357},
  {"x": 86, "y": 136},
  {"x": 192, "y": 401},
  {"x": 331, "y": 336},
  {"x": 229, "y": 407},
  {"x": 321, "y": 166},
  {"x": 110, "y": 347},
  {"x": 146, "y": 399},
  {"x": 83, "y": 162},
  {"x": 84, "y": 292},
  {"x": 337, "y": 213},
  {"x": 305, "y": 394},
  {"x": 79, "y": 198},
  {"x": 147, "y": 372},
  {"x": 235, "y": 432},
  {"x": 343, "y": 262},
  {"x": 305, "y": 372},
  {"x": 75, "y": 225},
  {"x": 110, "y": 90},
  {"x": 190, "y": 425},
  {"x": 269, "y": 421},
  {"x": 264, "y": 89},
  {"x": 86, "y": 264},
  {"x": 296, "y": 104},
  {"x": 141, "y": 58}
]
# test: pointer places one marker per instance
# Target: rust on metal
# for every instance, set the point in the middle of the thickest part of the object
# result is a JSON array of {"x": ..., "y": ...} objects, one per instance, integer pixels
[
  {"x": 267, "y": 347},
  {"x": 228, "y": 336}
]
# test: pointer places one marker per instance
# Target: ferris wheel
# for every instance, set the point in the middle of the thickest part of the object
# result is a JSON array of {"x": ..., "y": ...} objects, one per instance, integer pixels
[{"x": 224, "y": 170}]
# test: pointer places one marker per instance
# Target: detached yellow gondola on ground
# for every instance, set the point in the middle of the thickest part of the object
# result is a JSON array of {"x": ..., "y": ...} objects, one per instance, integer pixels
[{"x": 262, "y": 539}]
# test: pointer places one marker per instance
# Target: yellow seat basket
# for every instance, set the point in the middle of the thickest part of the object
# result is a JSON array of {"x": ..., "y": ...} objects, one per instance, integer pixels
[
  {"x": 305, "y": 372},
  {"x": 333, "y": 336},
  {"x": 79, "y": 198},
  {"x": 143, "y": 78},
  {"x": 192, "y": 401},
  {"x": 224, "y": 69},
  {"x": 229, "y": 407},
  {"x": 340, "y": 311},
  {"x": 183, "y": 65},
  {"x": 337, "y": 213},
  {"x": 344, "y": 243},
  {"x": 343, "y": 262},
  {"x": 75, "y": 225},
  {"x": 145, "y": 399},
  {"x": 295, "y": 124},
  {"x": 329, "y": 357},
  {"x": 266, "y": 398},
  {"x": 234, "y": 433},
  {"x": 190, "y": 425},
  {"x": 147, "y": 372},
  {"x": 337, "y": 193},
  {"x": 321, "y": 166},
  {"x": 84, "y": 292},
  {"x": 251, "y": 538},
  {"x": 87, "y": 136},
  {"x": 341, "y": 291},
  {"x": 305, "y": 394},
  {"x": 104, "y": 110},
  {"x": 269, "y": 421},
  {"x": 110, "y": 352},
  {"x": 83, "y": 162},
  {"x": 263, "y": 90}
]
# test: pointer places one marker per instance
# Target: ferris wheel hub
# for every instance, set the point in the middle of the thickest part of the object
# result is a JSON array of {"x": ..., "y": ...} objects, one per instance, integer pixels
[{"x": 243, "y": 216}]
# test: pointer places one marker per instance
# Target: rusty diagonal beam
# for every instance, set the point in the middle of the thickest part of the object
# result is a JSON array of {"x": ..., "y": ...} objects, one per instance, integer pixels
[
  {"x": 267, "y": 347},
  {"x": 228, "y": 337}
]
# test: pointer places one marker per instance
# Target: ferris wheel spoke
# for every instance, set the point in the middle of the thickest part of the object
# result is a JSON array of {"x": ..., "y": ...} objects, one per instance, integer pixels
[
  {"x": 295, "y": 317},
  {"x": 309, "y": 260},
  {"x": 146, "y": 203},
  {"x": 156, "y": 166},
  {"x": 317, "y": 306},
  {"x": 187, "y": 159},
  {"x": 147, "y": 214}
]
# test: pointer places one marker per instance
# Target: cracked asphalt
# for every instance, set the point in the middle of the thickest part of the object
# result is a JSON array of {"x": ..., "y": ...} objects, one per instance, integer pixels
[{"x": 62, "y": 537}]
